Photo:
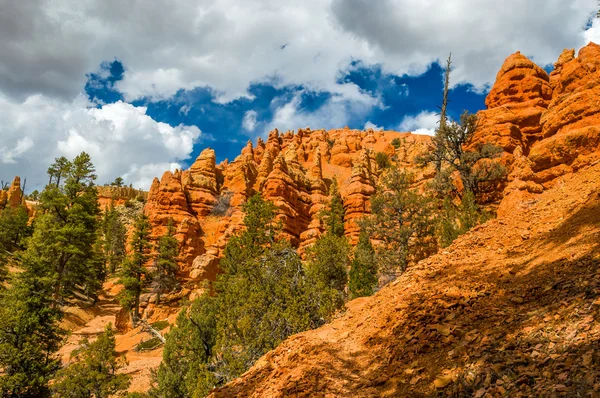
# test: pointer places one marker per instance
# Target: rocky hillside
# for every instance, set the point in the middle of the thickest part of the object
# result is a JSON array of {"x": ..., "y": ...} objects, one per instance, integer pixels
[{"x": 510, "y": 309}]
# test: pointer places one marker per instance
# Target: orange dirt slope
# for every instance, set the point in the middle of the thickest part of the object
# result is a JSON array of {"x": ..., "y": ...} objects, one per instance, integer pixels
[{"x": 512, "y": 308}]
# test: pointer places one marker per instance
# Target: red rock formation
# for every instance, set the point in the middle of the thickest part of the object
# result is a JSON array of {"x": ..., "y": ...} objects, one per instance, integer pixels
[
  {"x": 571, "y": 126},
  {"x": 200, "y": 183},
  {"x": 515, "y": 105},
  {"x": 292, "y": 170},
  {"x": 14, "y": 195},
  {"x": 357, "y": 193},
  {"x": 167, "y": 201}
]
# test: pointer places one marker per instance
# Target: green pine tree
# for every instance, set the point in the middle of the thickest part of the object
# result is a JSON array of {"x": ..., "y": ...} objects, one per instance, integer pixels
[
  {"x": 328, "y": 259},
  {"x": 14, "y": 228},
  {"x": 30, "y": 334},
  {"x": 165, "y": 265},
  {"x": 183, "y": 371},
  {"x": 363, "y": 269},
  {"x": 114, "y": 238},
  {"x": 333, "y": 214},
  {"x": 134, "y": 270},
  {"x": 94, "y": 372},
  {"x": 68, "y": 222},
  {"x": 401, "y": 222}
]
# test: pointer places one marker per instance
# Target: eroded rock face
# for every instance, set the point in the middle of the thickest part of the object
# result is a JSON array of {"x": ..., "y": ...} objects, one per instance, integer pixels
[
  {"x": 562, "y": 133},
  {"x": 14, "y": 195},
  {"x": 518, "y": 99},
  {"x": 571, "y": 126},
  {"x": 293, "y": 170},
  {"x": 167, "y": 201},
  {"x": 200, "y": 183}
]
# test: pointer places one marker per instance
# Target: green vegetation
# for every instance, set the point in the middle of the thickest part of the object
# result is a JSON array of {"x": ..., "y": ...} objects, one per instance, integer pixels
[
  {"x": 401, "y": 222},
  {"x": 396, "y": 143},
  {"x": 134, "y": 269},
  {"x": 56, "y": 256},
  {"x": 382, "y": 160},
  {"x": 160, "y": 325},
  {"x": 363, "y": 269},
  {"x": 148, "y": 345},
  {"x": 118, "y": 182},
  {"x": 114, "y": 237},
  {"x": 66, "y": 230},
  {"x": 93, "y": 372},
  {"x": 14, "y": 228},
  {"x": 264, "y": 295},
  {"x": 165, "y": 264},
  {"x": 29, "y": 332}
]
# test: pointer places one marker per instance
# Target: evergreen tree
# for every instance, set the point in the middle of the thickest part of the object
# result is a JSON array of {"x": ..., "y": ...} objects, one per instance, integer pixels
[
  {"x": 14, "y": 228},
  {"x": 263, "y": 296},
  {"x": 452, "y": 152},
  {"x": 165, "y": 265},
  {"x": 30, "y": 334},
  {"x": 183, "y": 371},
  {"x": 114, "y": 238},
  {"x": 363, "y": 269},
  {"x": 94, "y": 372},
  {"x": 134, "y": 267},
  {"x": 118, "y": 182},
  {"x": 68, "y": 224},
  {"x": 401, "y": 223},
  {"x": 328, "y": 259},
  {"x": 455, "y": 220},
  {"x": 333, "y": 214}
]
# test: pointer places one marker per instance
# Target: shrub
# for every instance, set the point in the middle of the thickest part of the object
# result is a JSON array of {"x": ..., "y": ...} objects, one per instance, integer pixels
[
  {"x": 382, "y": 160},
  {"x": 148, "y": 345},
  {"x": 223, "y": 204},
  {"x": 396, "y": 143},
  {"x": 160, "y": 325}
]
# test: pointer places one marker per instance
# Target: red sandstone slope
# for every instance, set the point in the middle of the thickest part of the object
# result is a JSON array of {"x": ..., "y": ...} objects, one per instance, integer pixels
[{"x": 511, "y": 308}]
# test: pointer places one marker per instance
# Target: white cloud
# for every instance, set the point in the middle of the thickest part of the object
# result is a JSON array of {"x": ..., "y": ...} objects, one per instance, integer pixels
[
  {"x": 47, "y": 47},
  {"x": 121, "y": 139},
  {"x": 593, "y": 33},
  {"x": 334, "y": 113},
  {"x": 249, "y": 122},
  {"x": 404, "y": 90},
  {"x": 373, "y": 126},
  {"x": 185, "y": 109},
  {"x": 424, "y": 123}
]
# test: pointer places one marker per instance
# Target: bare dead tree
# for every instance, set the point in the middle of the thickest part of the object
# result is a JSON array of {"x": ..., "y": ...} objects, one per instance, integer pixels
[{"x": 23, "y": 186}]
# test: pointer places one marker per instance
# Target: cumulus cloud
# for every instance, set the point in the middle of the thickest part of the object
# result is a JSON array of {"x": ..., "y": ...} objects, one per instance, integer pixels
[
  {"x": 121, "y": 139},
  {"x": 593, "y": 33},
  {"x": 370, "y": 125},
  {"x": 480, "y": 33},
  {"x": 249, "y": 122},
  {"x": 424, "y": 123},
  {"x": 47, "y": 47},
  {"x": 336, "y": 112}
]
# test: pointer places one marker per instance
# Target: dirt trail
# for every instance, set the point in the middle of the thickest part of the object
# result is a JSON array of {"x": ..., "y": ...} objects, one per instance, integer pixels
[
  {"x": 510, "y": 309},
  {"x": 91, "y": 321}
]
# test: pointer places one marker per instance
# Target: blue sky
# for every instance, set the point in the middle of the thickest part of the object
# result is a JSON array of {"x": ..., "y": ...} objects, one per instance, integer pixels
[
  {"x": 222, "y": 123},
  {"x": 144, "y": 89}
]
